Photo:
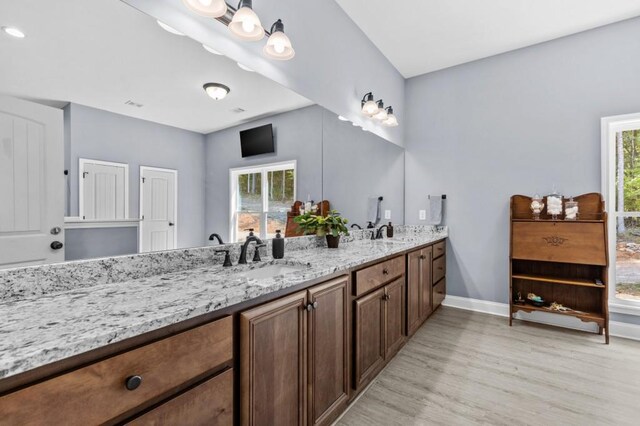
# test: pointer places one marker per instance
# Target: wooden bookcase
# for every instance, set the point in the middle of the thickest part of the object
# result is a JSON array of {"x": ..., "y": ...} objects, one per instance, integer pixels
[{"x": 560, "y": 260}]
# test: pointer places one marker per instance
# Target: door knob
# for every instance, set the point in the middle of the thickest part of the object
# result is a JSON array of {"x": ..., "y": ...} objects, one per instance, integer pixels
[
  {"x": 56, "y": 245},
  {"x": 171, "y": 223}
]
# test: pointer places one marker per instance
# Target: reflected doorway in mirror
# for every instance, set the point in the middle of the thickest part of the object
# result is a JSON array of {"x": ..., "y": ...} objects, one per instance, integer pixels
[{"x": 158, "y": 209}]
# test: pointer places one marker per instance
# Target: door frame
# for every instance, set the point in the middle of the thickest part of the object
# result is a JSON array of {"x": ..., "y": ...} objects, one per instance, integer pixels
[
  {"x": 141, "y": 200},
  {"x": 81, "y": 164},
  {"x": 610, "y": 126}
]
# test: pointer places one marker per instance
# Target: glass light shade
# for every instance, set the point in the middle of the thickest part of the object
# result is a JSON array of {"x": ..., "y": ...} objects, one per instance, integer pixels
[
  {"x": 391, "y": 121},
  {"x": 211, "y": 50},
  {"x": 216, "y": 91},
  {"x": 370, "y": 108},
  {"x": 246, "y": 25},
  {"x": 208, "y": 8},
  {"x": 381, "y": 115},
  {"x": 279, "y": 47},
  {"x": 169, "y": 28}
]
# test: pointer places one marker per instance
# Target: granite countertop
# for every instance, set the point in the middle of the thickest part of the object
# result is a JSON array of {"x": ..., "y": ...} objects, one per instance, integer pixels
[{"x": 40, "y": 330}]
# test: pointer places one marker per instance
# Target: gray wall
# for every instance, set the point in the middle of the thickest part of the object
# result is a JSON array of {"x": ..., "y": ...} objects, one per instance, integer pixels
[
  {"x": 516, "y": 123},
  {"x": 102, "y": 135},
  {"x": 358, "y": 165},
  {"x": 100, "y": 242},
  {"x": 298, "y": 136}
]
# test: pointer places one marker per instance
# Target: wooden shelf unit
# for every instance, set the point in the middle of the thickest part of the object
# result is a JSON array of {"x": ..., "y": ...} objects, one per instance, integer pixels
[{"x": 561, "y": 260}]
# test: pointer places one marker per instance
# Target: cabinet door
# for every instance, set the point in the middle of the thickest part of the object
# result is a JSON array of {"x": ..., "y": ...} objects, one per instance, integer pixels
[
  {"x": 369, "y": 336},
  {"x": 273, "y": 362},
  {"x": 328, "y": 350},
  {"x": 394, "y": 314},
  {"x": 425, "y": 302},
  {"x": 414, "y": 290}
]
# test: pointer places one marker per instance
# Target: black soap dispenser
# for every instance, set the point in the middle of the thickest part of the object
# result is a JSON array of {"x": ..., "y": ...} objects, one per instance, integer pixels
[
  {"x": 389, "y": 230},
  {"x": 278, "y": 246}
]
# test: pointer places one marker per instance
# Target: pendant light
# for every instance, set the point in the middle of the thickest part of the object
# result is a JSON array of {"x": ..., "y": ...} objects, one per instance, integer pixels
[
  {"x": 208, "y": 8},
  {"x": 216, "y": 91},
  {"x": 278, "y": 45},
  {"x": 391, "y": 120},
  {"x": 382, "y": 113},
  {"x": 245, "y": 23},
  {"x": 369, "y": 106}
]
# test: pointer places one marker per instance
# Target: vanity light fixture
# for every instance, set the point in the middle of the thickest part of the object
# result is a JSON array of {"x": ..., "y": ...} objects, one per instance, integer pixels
[
  {"x": 278, "y": 45},
  {"x": 169, "y": 28},
  {"x": 245, "y": 24},
  {"x": 216, "y": 91},
  {"x": 13, "y": 32},
  {"x": 369, "y": 106},
  {"x": 244, "y": 67},
  {"x": 211, "y": 50},
  {"x": 382, "y": 113},
  {"x": 391, "y": 120},
  {"x": 208, "y": 8}
]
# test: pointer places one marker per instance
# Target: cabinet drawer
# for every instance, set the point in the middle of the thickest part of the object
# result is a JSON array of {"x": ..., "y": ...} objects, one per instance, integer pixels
[
  {"x": 567, "y": 242},
  {"x": 96, "y": 393},
  {"x": 210, "y": 403},
  {"x": 374, "y": 276},
  {"x": 439, "y": 268},
  {"x": 439, "y": 249},
  {"x": 439, "y": 292}
]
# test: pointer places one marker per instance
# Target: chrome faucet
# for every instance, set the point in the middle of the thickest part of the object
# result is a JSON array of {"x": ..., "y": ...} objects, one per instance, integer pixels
[{"x": 243, "y": 250}]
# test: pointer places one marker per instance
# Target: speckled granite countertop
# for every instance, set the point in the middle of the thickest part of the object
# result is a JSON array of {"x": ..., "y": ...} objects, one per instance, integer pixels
[{"x": 40, "y": 330}]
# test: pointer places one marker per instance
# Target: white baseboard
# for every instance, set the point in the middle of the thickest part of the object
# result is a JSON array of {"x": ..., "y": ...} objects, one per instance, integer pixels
[{"x": 618, "y": 329}]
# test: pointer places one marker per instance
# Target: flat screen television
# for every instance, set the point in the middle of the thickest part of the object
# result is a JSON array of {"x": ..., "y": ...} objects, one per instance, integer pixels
[{"x": 256, "y": 141}]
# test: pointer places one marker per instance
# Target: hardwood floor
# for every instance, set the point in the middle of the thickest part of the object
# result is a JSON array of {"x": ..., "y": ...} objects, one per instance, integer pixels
[{"x": 464, "y": 368}]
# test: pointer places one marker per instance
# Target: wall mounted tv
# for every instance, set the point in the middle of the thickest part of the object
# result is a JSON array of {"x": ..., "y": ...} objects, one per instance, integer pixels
[{"x": 256, "y": 141}]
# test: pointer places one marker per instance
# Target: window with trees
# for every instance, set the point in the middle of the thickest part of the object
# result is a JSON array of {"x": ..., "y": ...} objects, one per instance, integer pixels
[{"x": 260, "y": 198}]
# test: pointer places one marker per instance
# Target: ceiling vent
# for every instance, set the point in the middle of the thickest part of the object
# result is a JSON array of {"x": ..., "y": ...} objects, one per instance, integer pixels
[
  {"x": 238, "y": 110},
  {"x": 133, "y": 104}
]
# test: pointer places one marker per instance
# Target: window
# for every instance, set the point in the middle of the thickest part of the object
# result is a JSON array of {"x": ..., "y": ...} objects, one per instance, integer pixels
[
  {"x": 103, "y": 190},
  {"x": 621, "y": 188},
  {"x": 261, "y": 196}
]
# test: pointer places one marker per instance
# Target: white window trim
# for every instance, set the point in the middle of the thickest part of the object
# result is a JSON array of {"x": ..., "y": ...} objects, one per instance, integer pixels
[
  {"x": 82, "y": 163},
  {"x": 259, "y": 168},
  {"x": 609, "y": 127},
  {"x": 141, "y": 201}
]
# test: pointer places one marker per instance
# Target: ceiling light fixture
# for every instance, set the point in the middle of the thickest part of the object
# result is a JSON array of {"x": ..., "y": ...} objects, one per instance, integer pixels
[
  {"x": 278, "y": 45},
  {"x": 368, "y": 105},
  {"x": 210, "y": 50},
  {"x": 208, "y": 8},
  {"x": 245, "y": 24},
  {"x": 244, "y": 67},
  {"x": 169, "y": 28},
  {"x": 382, "y": 113},
  {"x": 391, "y": 120},
  {"x": 13, "y": 32},
  {"x": 216, "y": 91}
]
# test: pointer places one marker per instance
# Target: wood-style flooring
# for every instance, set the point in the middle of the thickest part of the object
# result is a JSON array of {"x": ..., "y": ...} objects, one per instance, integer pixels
[{"x": 466, "y": 368}]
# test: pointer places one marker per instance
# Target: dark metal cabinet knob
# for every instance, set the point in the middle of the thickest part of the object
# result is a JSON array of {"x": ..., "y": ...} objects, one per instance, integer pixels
[
  {"x": 385, "y": 271},
  {"x": 133, "y": 382},
  {"x": 56, "y": 245},
  {"x": 423, "y": 257},
  {"x": 171, "y": 224}
]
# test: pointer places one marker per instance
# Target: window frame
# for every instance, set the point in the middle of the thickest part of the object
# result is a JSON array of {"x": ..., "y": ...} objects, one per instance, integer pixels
[
  {"x": 610, "y": 126},
  {"x": 263, "y": 169}
]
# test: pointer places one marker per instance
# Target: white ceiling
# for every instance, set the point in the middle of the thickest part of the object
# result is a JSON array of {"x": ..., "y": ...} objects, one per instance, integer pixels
[
  {"x": 102, "y": 53},
  {"x": 420, "y": 36}
]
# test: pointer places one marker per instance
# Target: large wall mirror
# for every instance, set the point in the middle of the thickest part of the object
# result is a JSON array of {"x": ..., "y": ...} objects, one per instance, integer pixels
[{"x": 110, "y": 145}]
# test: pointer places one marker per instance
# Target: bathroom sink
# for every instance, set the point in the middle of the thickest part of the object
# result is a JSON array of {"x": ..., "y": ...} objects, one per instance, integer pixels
[{"x": 270, "y": 271}]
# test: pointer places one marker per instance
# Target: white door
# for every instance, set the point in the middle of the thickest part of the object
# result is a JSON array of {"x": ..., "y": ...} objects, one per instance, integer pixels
[
  {"x": 158, "y": 195},
  {"x": 104, "y": 189},
  {"x": 31, "y": 183}
]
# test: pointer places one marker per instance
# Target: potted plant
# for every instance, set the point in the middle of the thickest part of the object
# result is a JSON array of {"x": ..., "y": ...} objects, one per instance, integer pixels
[{"x": 331, "y": 226}]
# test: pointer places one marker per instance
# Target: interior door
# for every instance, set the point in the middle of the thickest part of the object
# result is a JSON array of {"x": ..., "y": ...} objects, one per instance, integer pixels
[
  {"x": 158, "y": 194},
  {"x": 31, "y": 183}
]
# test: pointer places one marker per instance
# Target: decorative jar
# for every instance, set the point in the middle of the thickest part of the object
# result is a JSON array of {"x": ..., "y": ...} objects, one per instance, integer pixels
[
  {"x": 554, "y": 205},
  {"x": 571, "y": 210},
  {"x": 537, "y": 205}
]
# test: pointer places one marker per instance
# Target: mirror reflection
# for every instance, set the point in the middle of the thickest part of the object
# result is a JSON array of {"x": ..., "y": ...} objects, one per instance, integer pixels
[{"x": 156, "y": 143}]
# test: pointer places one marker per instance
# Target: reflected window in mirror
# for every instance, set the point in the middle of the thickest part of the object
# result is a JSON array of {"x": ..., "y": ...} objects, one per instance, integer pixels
[{"x": 260, "y": 198}]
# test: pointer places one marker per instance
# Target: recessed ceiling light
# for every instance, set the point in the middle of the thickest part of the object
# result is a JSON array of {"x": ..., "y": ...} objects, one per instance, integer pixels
[
  {"x": 169, "y": 29},
  {"x": 210, "y": 50},
  {"x": 244, "y": 67},
  {"x": 216, "y": 91},
  {"x": 341, "y": 118},
  {"x": 13, "y": 32}
]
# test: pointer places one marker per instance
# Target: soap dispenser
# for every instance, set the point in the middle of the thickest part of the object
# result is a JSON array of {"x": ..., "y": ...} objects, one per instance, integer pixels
[
  {"x": 389, "y": 230},
  {"x": 278, "y": 246}
]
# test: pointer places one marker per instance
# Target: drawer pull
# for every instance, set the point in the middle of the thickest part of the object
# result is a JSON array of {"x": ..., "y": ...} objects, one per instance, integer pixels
[
  {"x": 385, "y": 271},
  {"x": 309, "y": 307},
  {"x": 133, "y": 382},
  {"x": 423, "y": 257},
  {"x": 315, "y": 304},
  {"x": 386, "y": 297}
]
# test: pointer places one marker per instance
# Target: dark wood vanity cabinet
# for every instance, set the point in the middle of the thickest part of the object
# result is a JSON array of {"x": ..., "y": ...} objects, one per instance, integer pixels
[
  {"x": 419, "y": 288},
  {"x": 294, "y": 357},
  {"x": 439, "y": 270}
]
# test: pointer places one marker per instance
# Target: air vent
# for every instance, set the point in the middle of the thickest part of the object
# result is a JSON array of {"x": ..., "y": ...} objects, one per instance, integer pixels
[
  {"x": 133, "y": 104},
  {"x": 238, "y": 110}
]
